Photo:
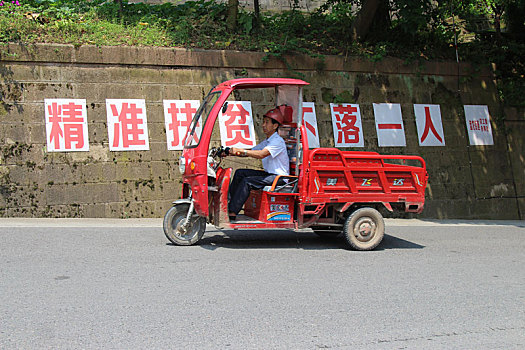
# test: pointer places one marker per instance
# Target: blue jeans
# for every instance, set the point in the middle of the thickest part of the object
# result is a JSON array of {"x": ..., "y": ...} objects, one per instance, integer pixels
[{"x": 243, "y": 181}]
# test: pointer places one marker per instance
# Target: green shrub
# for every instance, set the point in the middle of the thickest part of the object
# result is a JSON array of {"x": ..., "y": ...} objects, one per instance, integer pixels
[{"x": 418, "y": 30}]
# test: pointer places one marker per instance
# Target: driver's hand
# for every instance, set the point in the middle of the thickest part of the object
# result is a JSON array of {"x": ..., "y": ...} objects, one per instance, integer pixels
[{"x": 236, "y": 151}]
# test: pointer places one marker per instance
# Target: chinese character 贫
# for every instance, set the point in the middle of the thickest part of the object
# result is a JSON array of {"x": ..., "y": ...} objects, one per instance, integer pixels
[{"x": 237, "y": 130}]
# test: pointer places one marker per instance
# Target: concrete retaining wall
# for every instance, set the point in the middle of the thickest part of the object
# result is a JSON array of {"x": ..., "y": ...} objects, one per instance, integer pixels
[{"x": 483, "y": 182}]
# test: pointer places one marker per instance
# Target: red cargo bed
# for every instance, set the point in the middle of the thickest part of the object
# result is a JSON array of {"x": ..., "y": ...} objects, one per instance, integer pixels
[{"x": 335, "y": 176}]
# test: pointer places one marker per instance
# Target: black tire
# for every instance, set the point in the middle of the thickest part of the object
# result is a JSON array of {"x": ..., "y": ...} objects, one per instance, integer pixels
[
  {"x": 364, "y": 229},
  {"x": 173, "y": 220}
]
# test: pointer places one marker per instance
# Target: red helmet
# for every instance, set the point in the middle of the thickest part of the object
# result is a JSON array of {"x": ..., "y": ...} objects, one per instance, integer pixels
[{"x": 276, "y": 115}]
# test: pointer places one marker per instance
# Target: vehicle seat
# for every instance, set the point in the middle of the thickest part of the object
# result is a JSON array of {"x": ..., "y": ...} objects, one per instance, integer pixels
[{"x": 283, "y": 184}]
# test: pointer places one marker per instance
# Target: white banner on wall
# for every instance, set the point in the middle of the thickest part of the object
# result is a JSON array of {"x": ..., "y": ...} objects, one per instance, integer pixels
[
  {"x": 389, "y": 125},
  {"x": 127, "y": 125},
  {"x": 478, "y": 125},
  {"x": 310, "y": 124},
  {"x": 178, "y": 115},
  {"x": 429, "y": 125},
  {"x": 236, "y": 125},
  {"x": 66, "y": 125},
  {"x": 346, "y": 123}
]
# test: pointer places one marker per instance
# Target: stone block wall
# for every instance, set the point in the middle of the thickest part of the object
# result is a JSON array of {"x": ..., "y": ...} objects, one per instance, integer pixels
[
  {"x": 515, "y": 127},
  {"x": 470, "y": 182}
]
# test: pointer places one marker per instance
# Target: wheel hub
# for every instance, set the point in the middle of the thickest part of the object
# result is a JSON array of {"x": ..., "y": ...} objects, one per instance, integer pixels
[
  {"x": 364, "y": 229},
  {"x": 178, "y": 228},
  {"x": 181, "y": 232}
]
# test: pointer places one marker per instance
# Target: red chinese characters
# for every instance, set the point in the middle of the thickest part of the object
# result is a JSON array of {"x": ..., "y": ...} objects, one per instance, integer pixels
[
  {"x": 66, "y": 125},
  {"x": 389, "y": 125},
  {"x": 479, "y": 125},
  {"x": 236, "y": 125},
  {"x": 346, "y": 123},
  {"x": 127, "y": 125},
  {"x": 429, "y": 125},
  {"x": 310, "y": 123},
  {"x": 479, "y": 129},
  {"x": 178, "y": 115}
]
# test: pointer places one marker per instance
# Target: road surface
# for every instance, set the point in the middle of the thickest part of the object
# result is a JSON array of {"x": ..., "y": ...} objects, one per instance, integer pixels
[{"x": 119, "y": 284}]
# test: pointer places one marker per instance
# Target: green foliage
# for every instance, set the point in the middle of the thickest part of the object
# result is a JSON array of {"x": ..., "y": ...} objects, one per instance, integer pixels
[
  {"x": 414, "y": 30},
  {"x": 510, "y": 70},
  {"x": 515, "y": 16}
]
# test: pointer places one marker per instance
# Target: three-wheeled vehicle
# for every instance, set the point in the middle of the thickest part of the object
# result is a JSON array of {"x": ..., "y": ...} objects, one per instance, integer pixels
[{"x": 328, "y": 190}]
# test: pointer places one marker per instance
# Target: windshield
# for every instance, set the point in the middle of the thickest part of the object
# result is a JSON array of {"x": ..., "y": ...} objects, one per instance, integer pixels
[{"x": 195, "y": 130}]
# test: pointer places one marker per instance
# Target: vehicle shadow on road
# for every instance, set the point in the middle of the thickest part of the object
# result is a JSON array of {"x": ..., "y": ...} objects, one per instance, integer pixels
[
  {"x": 392, "y": 242},
  {"x": 286, "y": 239}
]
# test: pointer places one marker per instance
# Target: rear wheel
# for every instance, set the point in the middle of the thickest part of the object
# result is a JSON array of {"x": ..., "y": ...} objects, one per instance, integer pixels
[
  {"x": 173, "y": 229},
  {"x": 364, "y": 229}
]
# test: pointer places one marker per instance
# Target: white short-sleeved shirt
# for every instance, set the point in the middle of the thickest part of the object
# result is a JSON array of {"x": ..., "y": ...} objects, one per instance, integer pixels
[{"x": 277, "y": 162}]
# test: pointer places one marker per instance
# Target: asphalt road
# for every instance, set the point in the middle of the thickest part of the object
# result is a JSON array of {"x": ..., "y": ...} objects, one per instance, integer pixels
[{"x": 120, "y": 285}]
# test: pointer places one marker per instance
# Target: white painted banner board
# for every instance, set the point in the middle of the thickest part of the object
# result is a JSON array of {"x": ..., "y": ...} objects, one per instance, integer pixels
[
  {"x": 127, "y": 125},
  {"x": 236, "y": 125},
  {"x": 429, "y": 125},
  {"x": 178, "y": 115},
  {"x": 479, "y": 129},
  {"x": 310, "y": 124},
  {"x": 389, "y": 125},
  {"x": 346, "y": 124},
  {"x": 66, "y": 125}
]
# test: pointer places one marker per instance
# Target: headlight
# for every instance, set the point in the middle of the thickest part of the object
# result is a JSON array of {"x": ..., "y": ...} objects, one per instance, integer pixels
[{"x": 182, "y": 165}]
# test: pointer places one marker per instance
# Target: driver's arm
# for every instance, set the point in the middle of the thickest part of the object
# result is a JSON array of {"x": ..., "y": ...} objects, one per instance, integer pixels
[{"x": 258, "y": 154}]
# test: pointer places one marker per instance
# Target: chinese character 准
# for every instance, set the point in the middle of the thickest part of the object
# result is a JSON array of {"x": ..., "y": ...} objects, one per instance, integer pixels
[{"x": 127, "y": 125}]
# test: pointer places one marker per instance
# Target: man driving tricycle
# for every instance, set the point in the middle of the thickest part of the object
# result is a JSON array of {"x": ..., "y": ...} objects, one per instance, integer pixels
[
  {"x": 326, "y": 189},
  {"x": 273, "y": 153}
]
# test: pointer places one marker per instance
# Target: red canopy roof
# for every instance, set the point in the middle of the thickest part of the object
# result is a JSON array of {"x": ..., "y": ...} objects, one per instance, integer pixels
[{"x": 246, "y": 83}]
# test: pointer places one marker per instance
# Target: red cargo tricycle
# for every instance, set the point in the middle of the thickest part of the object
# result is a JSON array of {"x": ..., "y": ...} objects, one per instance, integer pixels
[{"x": 328, "y": 190}]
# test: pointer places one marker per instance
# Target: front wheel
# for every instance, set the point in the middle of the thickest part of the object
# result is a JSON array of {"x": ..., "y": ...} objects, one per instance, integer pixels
[
  {"x": 173, "y": 229},
  {"x": 364, "y": 229}
]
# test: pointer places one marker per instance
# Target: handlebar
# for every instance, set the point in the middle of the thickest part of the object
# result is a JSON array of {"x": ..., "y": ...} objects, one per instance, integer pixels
[{"x": 219, "y": 152}]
